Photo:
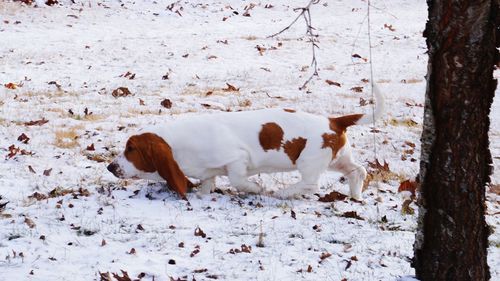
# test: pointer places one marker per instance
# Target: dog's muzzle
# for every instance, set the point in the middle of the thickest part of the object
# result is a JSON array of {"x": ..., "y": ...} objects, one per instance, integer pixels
[{"x": 115, "y": 170}]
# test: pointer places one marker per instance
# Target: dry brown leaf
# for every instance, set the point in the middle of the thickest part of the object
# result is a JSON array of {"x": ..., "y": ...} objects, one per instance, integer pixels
[
  {"x": 166, "y": 103},
  {"x": 389, "y": 26},
  {"x": 377, "y": 166},
  {"x": 125, "y": 276},
  {"x": 29, "y": 222},
  {"x": 408, "y": 185},
  {"x": 358, "y": 89},
  {"x": 11, "y": 86},
  {"x": 121, "y": 92},
  {"x": 406, "y": 209},
  {"x": 47, "y": 172},
  {"x": 324, "y": 256},
  {"x": 36, "y": 122},
  {"x": 332, "y": 83},
  {"x": 230, "y": 88},
  {"x": 352, "y": 215},
  {"x": 105, "y": 276},
  {"x": 199, "y": 232},
  {"x": 23, "y": 138},
  {"x": 332, "y": 197}
]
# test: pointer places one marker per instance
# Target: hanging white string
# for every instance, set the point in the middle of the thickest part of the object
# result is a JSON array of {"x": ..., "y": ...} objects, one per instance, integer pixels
[{"x": 371, "y": 78}]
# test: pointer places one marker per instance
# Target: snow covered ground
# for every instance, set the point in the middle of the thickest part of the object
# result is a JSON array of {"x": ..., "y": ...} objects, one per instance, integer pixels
[{"x": 69, "y": 219}]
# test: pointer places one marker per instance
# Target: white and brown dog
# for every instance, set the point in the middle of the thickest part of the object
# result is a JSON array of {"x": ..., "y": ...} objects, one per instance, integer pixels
[{"x": 241, "y": 144}]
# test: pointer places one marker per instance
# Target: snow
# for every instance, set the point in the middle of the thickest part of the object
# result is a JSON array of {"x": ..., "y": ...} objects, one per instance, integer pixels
[{"x": 72, "y": 56}]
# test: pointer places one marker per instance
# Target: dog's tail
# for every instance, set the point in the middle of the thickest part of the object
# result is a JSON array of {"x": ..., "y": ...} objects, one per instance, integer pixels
[{"x": 339, "y": 124}]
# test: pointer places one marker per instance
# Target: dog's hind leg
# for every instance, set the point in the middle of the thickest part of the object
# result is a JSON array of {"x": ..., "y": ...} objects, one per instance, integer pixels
[
  {"x": 354, "y": 173},
  {"x": 237, "y": 173},
  {"x": 309, "y": 182}
]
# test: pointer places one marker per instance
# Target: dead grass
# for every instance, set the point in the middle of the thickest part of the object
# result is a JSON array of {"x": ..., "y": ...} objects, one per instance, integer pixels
[
  {"x": 205, "y": 92},
  {"x": 67, "y": 138},
  {"x": 404, "y": 122},
  {"x": 411, "y": 81},
  {"x": 250, "y": 37},
  {"x": 135, "y": 111},
  {"x": 381, "y": 176}
]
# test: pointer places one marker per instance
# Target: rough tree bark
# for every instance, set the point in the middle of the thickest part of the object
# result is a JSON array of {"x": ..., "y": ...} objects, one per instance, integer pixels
[{"x": 452, "y": 240}]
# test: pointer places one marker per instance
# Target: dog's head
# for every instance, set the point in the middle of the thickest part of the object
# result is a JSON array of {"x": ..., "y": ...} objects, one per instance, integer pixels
[{"x": 146, "y": 156}]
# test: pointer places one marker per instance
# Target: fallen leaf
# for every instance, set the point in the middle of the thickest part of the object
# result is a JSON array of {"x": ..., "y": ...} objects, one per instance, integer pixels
[
  {"x": 121, "y": 92},
  {"x": 408, "y": 185},
  {"x": 194, "y": 252},
  {"x": 91, "y": 147},
  {"x": 406, "y": 209},
  {"x": 389, "y": 26},
  {"x": 199, "y": 232},
  {"x": 293, "y": 215},
  {"x": 357, "y": 89},
  {"x": 11, "y": 86},
  {"x": 47, "y": 172},
  {"x": 125, "y": 276},
  {"x": 36, "y": 122},
  {"x": 51, "y": 2},
  {"x": 29, "y": 222},
  {"x": 324, "y": 256},
  {"x": 132, "y": 251},
  {"x": 410, "y": 144},
  {"x": 230, "y": 88},
  {"x": 38, "y": 196},
  {"x": 352, "y": 215},
  {"x": 377, "y": 166},
  {"x": 97, "y": 158},
  {"x": 330, "y": 82},
  {"x": 166, "y": 103},
  {"x": 23, "y": 138},
  {"x": 105, "y": 276},
  {"x": 332, "y": 197}
]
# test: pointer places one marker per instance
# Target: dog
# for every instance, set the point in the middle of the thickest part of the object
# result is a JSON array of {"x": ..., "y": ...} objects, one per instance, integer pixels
[{"x": 242, "y": 144}]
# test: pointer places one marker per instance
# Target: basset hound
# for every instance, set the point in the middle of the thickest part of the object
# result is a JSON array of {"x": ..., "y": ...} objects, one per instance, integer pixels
[{"x": 242, "y": 144}]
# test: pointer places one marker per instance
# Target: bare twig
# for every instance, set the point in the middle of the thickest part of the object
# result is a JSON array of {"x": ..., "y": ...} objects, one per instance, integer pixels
[{"x": 306, "y": 14}]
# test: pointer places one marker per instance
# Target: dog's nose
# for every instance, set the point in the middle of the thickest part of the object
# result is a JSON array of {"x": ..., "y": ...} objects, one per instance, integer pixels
[{"x": 112, "y": 167}]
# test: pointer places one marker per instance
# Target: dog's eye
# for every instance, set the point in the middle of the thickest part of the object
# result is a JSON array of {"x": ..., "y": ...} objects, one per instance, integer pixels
[{"x": 130, "y": 149}]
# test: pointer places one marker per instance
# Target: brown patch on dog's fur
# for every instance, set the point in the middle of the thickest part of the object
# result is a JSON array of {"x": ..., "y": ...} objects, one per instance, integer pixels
[
  {"x": 271, "y": 136},
  {"x": 294, "y": 147},
  {"x": 289, "y": 110},
  {"x": 150, "y": 153},
  {"x": 339, "y": 124},
  {"x": 334, "y": 141}
]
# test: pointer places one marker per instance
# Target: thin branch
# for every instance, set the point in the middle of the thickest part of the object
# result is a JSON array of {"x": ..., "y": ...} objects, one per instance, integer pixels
[{"x": 306, "y": 14}]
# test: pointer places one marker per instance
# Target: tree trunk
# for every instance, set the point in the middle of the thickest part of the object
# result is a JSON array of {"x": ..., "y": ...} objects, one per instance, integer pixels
[{"x": 452, "y": 240}]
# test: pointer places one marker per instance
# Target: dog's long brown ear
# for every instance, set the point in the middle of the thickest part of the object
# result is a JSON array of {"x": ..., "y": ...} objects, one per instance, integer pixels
[{"x": 167, "y": 167}]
